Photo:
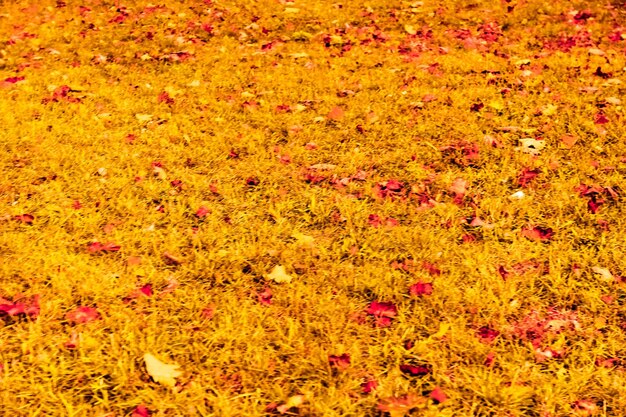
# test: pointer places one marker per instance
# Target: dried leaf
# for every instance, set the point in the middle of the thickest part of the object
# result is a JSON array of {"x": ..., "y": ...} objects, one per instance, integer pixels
[
  {"x": 161, "y": 372},
  {"x": 279, "y": 275},
  {"x": 603, "y": 272}
]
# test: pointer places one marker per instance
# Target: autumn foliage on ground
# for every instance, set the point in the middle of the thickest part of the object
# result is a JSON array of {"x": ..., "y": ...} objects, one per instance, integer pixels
[{"x": 313, "y": 208}]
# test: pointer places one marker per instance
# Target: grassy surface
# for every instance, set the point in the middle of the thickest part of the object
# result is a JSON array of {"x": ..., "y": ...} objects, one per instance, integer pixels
[{"x": 312, "y": 208}]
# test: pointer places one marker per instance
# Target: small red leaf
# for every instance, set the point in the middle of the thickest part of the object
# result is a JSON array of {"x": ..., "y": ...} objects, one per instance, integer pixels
[
  {"x": 265, "y": 297},
  {"x": 369, "y": 385},
  {"x": 82, "y": 315},
  {"x": 538, "y": 233},
  {"x": 341, "y": 362},
  {"x": 438, "y": 395},
  {"x": 141, "y": 411},
  {"x": 25, "y": 218},
  {"x": 106, "y": 247},
  {"x": 487, "y": 334},
  {"x": 202, "y": 212},
  {"x": 526, "y": 176},
  {"x": 420, "y": 289},
  {"x": 601, "y": 119},
  {"x": 146, "y": 290},
  {"x": 14, "y": 308},
  {"x": 415, "y": 370},
  {"x": 164, "y": 97},
  {"x": 336, "y": 114}
]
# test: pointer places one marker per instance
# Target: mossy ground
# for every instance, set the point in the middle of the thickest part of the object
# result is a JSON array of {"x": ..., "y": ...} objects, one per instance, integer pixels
[{"x": 159, "y": 161}]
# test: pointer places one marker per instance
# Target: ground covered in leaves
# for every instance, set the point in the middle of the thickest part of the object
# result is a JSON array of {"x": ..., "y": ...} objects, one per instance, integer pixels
[{"x": 323, "y": 208}]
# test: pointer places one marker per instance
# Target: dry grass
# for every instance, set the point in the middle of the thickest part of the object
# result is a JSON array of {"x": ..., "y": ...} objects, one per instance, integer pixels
[{"x": 159, "y": 163}]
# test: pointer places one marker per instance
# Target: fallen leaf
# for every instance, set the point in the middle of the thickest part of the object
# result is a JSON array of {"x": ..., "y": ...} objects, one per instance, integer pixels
[
  {"x": 401, "y": 406},
  {"x": 531, "y": 146},
  {"x": 141, "y": 411},
  {"x": 279, "y": 275},
  {"x": 160, "y": 372},
  {"x": 438, "y": 395},
  {"x": 302, "y": 239},
  {"x": 420, "y": 289},
  {"x": 25, "y": 218},
  {"x": 83, "y": 315},
  {"x": 458, "y": 187},
  {"x": 335, "y": 114},
  {"x": 415, "y": 370},
  {"x": 603, "y": 272},
  {"x": 323, "y": 166},
  {"x": 103, "y": 247},
  {"x": 143, "y": 117},
  {"x": 369, "y": 385},
  {"x": 538, "y": 233},
  {"x": 341, "y": 362},
  {"x": 293, "y": 402},
  {"x": 568, "y": 141},
  {"x": 159, "y": 172}
]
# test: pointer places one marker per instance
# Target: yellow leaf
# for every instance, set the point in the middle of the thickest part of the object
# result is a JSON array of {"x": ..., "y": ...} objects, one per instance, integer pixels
[
  {"x": 161, "y": 372},
  {"x": 143, "y": 117},
  {"x": 302, "y": 239},
  {"x": 603, "y": 272},
  {"x": 279, "y": 275},
  {"x": 294, "y": 401},
  {"x": 549, "y": 110},
  {"x": 496, "y": 105},
  {"x": 160, "y": 173}
]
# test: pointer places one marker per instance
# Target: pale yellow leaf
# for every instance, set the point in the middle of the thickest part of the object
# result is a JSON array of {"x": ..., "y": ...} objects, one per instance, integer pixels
[
  {"x": 603, "y": 272},
  {"x": 279, "y": 275},
  {"x": 162, "y": 373},
  {"x": 143, "y": 117}
]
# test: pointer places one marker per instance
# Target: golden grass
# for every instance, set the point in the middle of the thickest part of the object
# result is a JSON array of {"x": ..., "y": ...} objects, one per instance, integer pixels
[{"x": 158, "y": 164}]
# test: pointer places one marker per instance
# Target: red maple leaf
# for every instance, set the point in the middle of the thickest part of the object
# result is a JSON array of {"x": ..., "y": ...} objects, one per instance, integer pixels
[
  {"x": 202, "y": 212},
  {"x": 141, "y": 411},
  {"x": 83, "y": 315},
  {"x": 601, "y": 119},
  {"x": 487, "y": 334},
  {"x": 390, "y": 188},
  {"x": 265, "y": 297},
  {"x": 369, "y": 385},
  {"x": 415, "y": 370},
  {"x": 421, "y": 288},
  {"x": 526, "y": 176},
  {"x": 100, "y": 247},
  {"x": 538, "y": 233},
  {"x": 25, "y": 218},
  {"x": 13, "y": 80},
  {"x": 438, "y": 395},
  {"x": 164, "y": 97},
  {"x": 383, "y": 312},
  {"x": 15, "y": 308},
  {"x": 431, "y": 268},
  {"x": 145, "y": 290},
  {"x": 374, "y": 220},
  {"x": 341, "y": 362},
  {"x": 594, "y": 204}
]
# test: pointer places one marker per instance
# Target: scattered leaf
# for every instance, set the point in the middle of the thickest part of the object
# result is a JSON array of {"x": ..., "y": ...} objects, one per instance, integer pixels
[
  {"x": 82, "y": 315},
  {"x": 279, "y": 275},
  {"x": 160, "y": 372}
]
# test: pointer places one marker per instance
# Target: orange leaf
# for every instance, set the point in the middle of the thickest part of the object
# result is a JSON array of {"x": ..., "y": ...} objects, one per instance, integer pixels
[
  {"x": 336, "y": 114},
  {"x": 568, "y": 140}
]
